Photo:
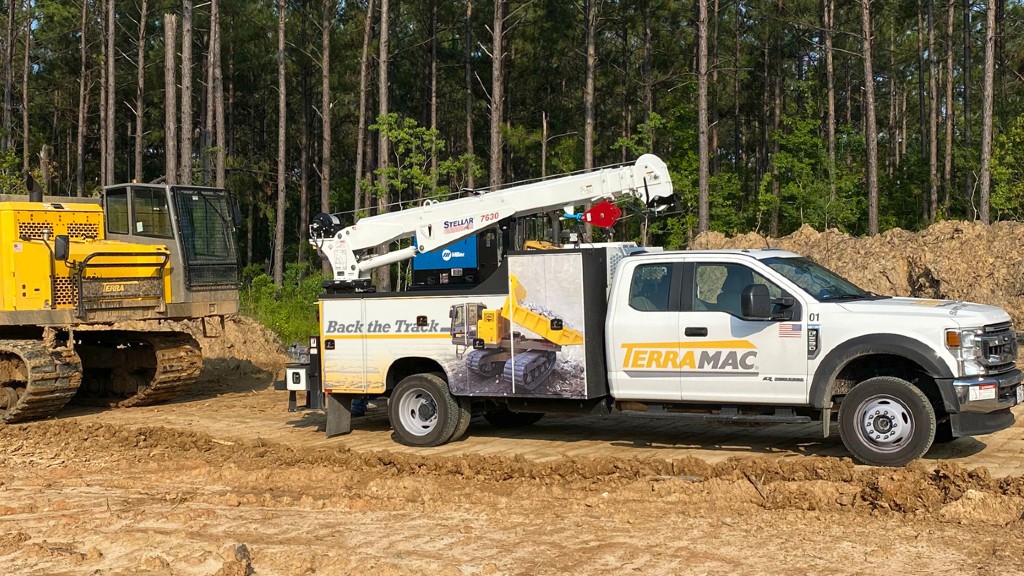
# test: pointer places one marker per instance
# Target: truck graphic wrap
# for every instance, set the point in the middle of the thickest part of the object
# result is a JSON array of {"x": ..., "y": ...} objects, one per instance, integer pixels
[{"x": 533, "y": 344}]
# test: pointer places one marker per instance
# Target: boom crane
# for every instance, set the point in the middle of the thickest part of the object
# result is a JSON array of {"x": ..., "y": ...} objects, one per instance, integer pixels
[{"x": 437, "y": 224}]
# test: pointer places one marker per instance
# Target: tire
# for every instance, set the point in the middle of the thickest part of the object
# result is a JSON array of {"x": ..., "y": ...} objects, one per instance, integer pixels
[
  {"x": 506, "y": 418},
  {"x": 422, "y": 411},
  {"x": 465, "y": 415},
  {"x": 886, "y": 421}
]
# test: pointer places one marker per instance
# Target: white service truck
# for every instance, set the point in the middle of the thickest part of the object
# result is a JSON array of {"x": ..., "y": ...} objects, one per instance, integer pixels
[{"x": 728, "y": 335}]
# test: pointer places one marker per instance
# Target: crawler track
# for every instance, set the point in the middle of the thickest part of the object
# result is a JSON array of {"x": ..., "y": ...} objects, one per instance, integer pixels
[
  {"x": 127, "y": 368},
  {"x": 178, "y": 363},
  {"x": 37, "y": 380}
]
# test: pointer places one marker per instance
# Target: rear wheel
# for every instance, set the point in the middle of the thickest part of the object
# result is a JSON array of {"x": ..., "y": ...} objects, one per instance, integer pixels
[
  {"x": 506, "y": 418},
  {"x": 886, "y": 421},
  {"x": 422, "y": 411},
  {"x": 465, "y": 415}
]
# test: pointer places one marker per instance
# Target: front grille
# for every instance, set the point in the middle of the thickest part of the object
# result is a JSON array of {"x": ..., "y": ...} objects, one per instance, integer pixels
[
  {"x": 999, "y": 347},
  {"x": 65, "y": 292},
  {"x": 35, "y": 230},
  {"x": 212, "y": 275}
]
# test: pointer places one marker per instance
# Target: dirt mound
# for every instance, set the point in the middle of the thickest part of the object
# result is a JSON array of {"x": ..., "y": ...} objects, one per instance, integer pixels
[
  {"x": 809, "y": 483},
  {"x": 241, "y": 340},
  {"x": 949, "y": 260}
]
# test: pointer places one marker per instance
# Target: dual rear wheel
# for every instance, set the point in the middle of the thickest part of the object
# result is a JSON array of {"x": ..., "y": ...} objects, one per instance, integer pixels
[{"x": 424, "y": 413}]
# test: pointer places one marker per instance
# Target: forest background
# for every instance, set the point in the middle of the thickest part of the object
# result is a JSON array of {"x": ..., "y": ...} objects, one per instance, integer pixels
[{"x": 771, "y": 114}]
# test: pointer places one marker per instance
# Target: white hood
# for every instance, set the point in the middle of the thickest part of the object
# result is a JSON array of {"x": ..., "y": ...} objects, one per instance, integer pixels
[{"x": 965, "y": 314}]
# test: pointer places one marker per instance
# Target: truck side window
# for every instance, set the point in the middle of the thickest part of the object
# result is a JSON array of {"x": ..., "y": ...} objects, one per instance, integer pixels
[
  {"x": 718, "y": 287},
  {"x": 650, "y": 287}
]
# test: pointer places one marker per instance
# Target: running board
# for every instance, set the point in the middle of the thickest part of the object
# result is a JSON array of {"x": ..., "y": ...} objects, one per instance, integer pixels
[{"x": 783, "y": 416}]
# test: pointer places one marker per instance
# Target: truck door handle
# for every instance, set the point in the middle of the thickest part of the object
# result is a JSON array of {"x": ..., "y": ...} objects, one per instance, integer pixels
[{"x": 695, "y": 331}]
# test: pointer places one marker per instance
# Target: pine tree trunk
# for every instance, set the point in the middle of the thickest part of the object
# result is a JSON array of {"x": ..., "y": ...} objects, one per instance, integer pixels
[
  {"x": 870, "y": 129},
  {"x": 218, "y": 94},
  {"x": 83, "y": 105},
  {"x": 24, "y": 87},
  {"x": 382, "y": 275},
  {"x": 170, "y": 99},
  {"x": 111, "y": 95},
  {"x": 433, "y": 89},
  {"x": 713, "y": 93},
  {"x": 497, "y": 92},
  {"x": 206, "y": 141},
  {"x": 104, "y": 86},
  {"x": 830, "y": 90},
  {"x": 703, "y": 211},
  {"x": 185, "y": 176},
  {"x": 44, "y": 168},
  {"x": 364, "y": 82},
  {"x": 590, "y": 15},
  {"x": 947, "y": 172},
  {"x": 282, "y": 114},
  {"x": 326, "y": 26},
  {"x": 467, "y": 55},
  {"x": 140, "y": 88},
  {"x": 933, "y": 119},
  {"x": 304, "y": 158},
  {"x": 9, "y": 77},
  {"x": 966, "y": 68},
  {"x": 648, "y": 80},
  {"x": 987, "y": 97}
]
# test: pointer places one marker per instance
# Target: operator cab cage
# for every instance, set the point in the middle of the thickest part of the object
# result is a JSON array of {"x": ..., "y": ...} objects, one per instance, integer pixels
[{"x": 199, "y": 220}]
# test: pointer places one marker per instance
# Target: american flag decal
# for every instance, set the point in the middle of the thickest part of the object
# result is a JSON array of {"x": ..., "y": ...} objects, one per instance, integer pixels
[{"x": 790, "y": 331}]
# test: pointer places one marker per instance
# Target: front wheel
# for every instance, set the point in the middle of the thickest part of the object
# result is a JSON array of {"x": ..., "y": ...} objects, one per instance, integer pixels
[
  {"x": 886, "y": 421},
  {"x": 422, "y": 411}
]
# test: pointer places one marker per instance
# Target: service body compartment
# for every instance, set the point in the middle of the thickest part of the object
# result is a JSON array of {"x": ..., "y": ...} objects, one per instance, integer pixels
[{"x": 538, "y": 339}]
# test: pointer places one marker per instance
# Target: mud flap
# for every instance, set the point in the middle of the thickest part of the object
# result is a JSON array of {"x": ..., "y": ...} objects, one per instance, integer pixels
[{"x": 339, "y": 414}]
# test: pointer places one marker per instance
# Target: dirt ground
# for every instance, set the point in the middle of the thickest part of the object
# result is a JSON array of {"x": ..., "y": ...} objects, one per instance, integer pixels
[{"x": 224, "y": 481}]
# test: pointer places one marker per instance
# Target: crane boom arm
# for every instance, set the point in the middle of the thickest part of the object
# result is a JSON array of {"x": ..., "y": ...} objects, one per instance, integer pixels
[{"x": 437, "y": 224}]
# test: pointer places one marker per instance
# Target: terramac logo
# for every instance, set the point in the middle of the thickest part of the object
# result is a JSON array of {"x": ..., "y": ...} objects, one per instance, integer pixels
[
  {"x": 724, "y": 357},
  {"x": 447, "y": 254},
  {"x": 453, "y": 226}
]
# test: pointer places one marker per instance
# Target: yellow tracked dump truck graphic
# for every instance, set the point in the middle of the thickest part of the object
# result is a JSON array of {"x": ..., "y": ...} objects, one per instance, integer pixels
[{"x": 497, "y": 350}]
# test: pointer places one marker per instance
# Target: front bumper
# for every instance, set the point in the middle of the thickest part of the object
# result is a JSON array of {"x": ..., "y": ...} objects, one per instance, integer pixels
[{"x": 984, "y": 394}]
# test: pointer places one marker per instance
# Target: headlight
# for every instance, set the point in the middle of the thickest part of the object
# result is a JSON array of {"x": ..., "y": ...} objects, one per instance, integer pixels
[{"x": 965, "y": 344}]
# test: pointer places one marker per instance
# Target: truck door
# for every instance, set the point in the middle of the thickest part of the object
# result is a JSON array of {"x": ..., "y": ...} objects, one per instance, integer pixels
[
  {"x": 642, "y": 330},
  {"x": 731, "y": 359}
]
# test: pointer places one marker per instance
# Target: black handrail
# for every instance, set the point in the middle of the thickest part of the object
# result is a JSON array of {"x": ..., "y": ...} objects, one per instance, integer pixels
[{"x": 80, "y": 268}]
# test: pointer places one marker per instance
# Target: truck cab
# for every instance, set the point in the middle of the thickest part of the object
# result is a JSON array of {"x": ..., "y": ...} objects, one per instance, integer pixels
[{"x": 768, "y": 333}]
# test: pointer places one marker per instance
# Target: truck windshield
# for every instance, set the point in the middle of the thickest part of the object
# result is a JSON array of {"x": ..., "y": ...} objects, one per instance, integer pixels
[{"x": 818, "y": 281}]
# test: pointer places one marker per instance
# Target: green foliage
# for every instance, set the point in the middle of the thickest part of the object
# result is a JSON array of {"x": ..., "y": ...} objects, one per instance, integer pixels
[
  {"x": 290, "y": 310},
  {"x": 811, "y": 189},
  {"x": 409, "y": 173},
  {"x": 1008, "y": 172}
]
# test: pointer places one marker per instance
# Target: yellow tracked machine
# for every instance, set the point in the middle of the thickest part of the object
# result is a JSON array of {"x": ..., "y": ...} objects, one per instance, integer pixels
[{"x": 74, "y": 271}]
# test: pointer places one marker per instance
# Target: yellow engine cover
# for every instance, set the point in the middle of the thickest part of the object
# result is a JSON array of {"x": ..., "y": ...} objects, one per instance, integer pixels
[{"x": 116, "y": 274}]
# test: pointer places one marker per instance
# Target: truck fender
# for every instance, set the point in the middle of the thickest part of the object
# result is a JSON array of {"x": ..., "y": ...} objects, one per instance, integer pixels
[{"x": 891, "y": 344}]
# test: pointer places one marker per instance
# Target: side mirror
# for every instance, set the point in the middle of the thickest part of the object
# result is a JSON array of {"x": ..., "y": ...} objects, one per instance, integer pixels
[
  {"x": 61, "y": 248},
  {"x": 756, "y": 303}
]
